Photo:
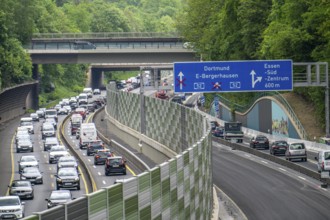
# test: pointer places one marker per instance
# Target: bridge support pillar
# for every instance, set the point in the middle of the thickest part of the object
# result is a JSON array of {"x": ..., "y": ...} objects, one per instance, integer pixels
[
  {"x": 96, "y": 78},
  {"x": 32, "y": 101}
]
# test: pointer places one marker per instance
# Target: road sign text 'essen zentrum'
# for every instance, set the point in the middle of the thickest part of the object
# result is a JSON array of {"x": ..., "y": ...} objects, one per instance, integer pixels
[{"x": 233, "y": 76}]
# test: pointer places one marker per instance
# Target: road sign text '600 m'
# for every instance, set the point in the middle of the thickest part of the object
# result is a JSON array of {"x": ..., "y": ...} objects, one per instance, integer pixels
[{"x": 233, "y": 76}]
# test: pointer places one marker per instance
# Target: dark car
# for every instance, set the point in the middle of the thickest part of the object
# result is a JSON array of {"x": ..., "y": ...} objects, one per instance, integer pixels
[
  {"x": 58, "y": 197},
  {"x": 278, "y": 147},
  {"x": 90, "y": 108},
  {"x": 218, "y": 132},
  {"x": 21, "y": 188},
  {"x": 84, "y": 45},
  {"x": 32, "y": 174},
  {"x": 93, "y": 147},
  {"x": 214, "y": 124},
  {"x": 101, "y": 156},
  {"x": 67, "y": 177},
  {"x": 115, "y": 165},
  {"x": 259, "y": 141},
  {"x": 177, "y": 99}
]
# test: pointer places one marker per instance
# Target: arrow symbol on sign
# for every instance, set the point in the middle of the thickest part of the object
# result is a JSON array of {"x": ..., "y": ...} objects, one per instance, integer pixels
[
  {"x": 180, "y": 79},
  {"x": 259, "y": 78}
]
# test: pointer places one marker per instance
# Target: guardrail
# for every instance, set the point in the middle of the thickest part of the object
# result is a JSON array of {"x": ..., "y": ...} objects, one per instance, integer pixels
[{"x": 101, "y": 35}]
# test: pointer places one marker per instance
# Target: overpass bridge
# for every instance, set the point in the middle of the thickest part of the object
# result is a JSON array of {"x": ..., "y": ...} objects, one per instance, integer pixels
[{"x": 56, "y": 48}]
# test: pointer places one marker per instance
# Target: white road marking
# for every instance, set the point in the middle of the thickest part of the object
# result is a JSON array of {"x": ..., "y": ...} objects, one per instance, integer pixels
[
  {"x": 89, "y": 160},
  {"x": 94, "y": 167},
  {"x": 264, "y": 162},
  {"x": 301, "y": 177},
  {"x": 50, "y": 168},
  {"x": 103, "y": 182},
  {"x": 323, "y": 188},
  {"x": 282, "y": 169},
  {"x": 247, "y": 155},
  {"x": 99, "y": 173}
]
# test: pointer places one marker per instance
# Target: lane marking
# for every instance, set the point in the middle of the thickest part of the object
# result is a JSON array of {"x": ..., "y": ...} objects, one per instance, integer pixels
[
  {"x": 89, "y": 160},
  {"x": 264, "y": 162},
  {"x": 247, "y": 155},
  {"x": 301, "y": 177},
  {"x": 12, "y": 162},
  {"x": 282, "y": 169},
  {"x": 103, "y": 182},
  {"x": 99, "y": 173}
]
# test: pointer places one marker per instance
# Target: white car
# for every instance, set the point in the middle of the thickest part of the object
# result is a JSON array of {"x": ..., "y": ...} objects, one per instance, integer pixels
[
  {"x": 56, "y": 152},
  {"x": 27, "y": 161},
  {"x": 11, "y": 207},
  {"x": 96, "y": 92}
]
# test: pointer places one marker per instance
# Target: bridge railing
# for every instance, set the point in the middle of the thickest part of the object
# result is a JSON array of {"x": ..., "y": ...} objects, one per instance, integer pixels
[{"x": 105, "y": 35}]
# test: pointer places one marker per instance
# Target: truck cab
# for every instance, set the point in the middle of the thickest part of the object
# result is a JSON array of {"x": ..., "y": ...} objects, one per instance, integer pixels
[{"x": 233, "y": 132}]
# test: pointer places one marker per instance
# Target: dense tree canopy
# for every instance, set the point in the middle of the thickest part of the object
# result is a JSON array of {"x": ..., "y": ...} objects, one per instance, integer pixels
[{"x": 260, "y": 29}]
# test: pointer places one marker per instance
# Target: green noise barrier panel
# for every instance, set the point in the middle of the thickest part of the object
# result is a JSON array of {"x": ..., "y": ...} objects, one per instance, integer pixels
[{"x": 180, "y": 188}]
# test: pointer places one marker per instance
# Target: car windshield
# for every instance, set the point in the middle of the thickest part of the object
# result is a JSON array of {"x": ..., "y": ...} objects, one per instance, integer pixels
[
  {"x": 297, "y": 146},
  {"x": 327, "y": 155},
  {"x": 48, "y": 128},
  {"x": 51, "y": 112},
  {"x": 66, "y": 159},
  {"x": 116, "y": 161},
  {"x": 28, "y": 159},
  {"x": 57, "y": 195},
  {"x": 20, "y": 183},
  {"x": 67, "y": 172},
  {"x": 260, "y": 138},
  {"x": 103, "y": 153},
  {"x": 26, "y": 123},
  {"x": 281, "y": 144},
  {"x": 9, "y": 201},
  {"x": 58, "y": 148}
]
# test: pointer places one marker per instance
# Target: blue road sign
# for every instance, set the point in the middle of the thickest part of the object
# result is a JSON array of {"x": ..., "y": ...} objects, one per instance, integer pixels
[
  {"x": 202, "y": 99},
  {"x": 216, "y": 103},
  {"x": 233, "y": 76}
]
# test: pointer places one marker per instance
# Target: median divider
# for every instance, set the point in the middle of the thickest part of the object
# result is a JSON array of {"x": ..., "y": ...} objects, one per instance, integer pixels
[
  {"x": 130, "y": 156},
  {"x": 272, "y": 158},
  {"x": 91, "y": 183}
]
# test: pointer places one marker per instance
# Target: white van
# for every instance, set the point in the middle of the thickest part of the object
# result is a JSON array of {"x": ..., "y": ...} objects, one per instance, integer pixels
[
  {"x": 82, "y": 99},
  {"x": 89, "y": 92},
  {"x": 87, "y": 134},
  {"x": 323, "y": 161},
  {"x": 28, "y": 123}
]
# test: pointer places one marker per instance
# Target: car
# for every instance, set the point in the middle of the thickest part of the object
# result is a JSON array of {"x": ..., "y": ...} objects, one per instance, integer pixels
[
  {"x": 218, "y": 132},
  {"x": 278, "y": 147},
  {"x": 56, "y": 152},
  {"x": 58, "y": 197},
  {"x": 296, "y": 151},
  {"x": 90, "y": 108},
  {"x": 101, "y": 155},
  {"x": 48, "y": 129},
  {"x": 214, "y": 124},
  {"x": 11, "y": 207},
  {"x": 65, "y": 102},
  {"x": 67, "y": 161},
  {"x": 40, "y": 113},
  {"x": 96, "y": 92},
  {"x": 57, "y": 107},
  {"x": 22, "y": 135},
  {"x": 62, "y": 111},
  {"x": 82, "y": 112},
  {"x": 260, "y": 141},
  {"x": 49, "y": 142},
  {"x": 161, "y": 94},
  {"x": 115, "y": 165},
  {"x": 83, "y": 45},
  {"x": 24, "y": 145},
  {"x": 32, "y": 174},
  {"x": 51, "y": 113},
  {"x": 67, "y": 177},
  {"x": 27, "y": 161},
  {"x": 34, "y": 116},
  {"x": 51, "y": 121},
  {"x": 323, "y": 161},
  {"x": 93, "y": 147},
  {"x": 21, "y": 188},
  {"x": 177, "y": 99},
  {"x": 68, "y": 108},
  {"x": 28, "y": 123}
]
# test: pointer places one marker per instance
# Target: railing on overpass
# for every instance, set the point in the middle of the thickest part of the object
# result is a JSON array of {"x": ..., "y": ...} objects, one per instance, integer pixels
[{"x": 105, "y": 35}]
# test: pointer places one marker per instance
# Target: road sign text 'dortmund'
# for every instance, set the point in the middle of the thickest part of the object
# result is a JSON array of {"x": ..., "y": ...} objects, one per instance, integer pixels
[{"x": 233, "y": 76}]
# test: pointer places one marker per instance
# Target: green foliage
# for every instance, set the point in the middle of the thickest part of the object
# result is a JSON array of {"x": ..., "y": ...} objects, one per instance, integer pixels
[{"x": 260, "y": 29}]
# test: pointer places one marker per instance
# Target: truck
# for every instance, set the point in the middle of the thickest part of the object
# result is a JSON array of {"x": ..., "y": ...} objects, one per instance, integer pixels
[
  {"x": 87, "y": 134},
  {"x": 233, "y": 132},
  {"x": 76, "y": 120}
]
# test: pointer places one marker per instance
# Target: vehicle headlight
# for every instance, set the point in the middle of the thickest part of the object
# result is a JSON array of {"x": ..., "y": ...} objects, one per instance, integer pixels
[
  {"x": 59, "y": 180},
  {"x": 23, "y": 177},
  {"x": 76, "y": 179},
  {"x": 17, "y": 210},
  {"x": 51, "y": 156},
  {"x": 39, "y": 177}
]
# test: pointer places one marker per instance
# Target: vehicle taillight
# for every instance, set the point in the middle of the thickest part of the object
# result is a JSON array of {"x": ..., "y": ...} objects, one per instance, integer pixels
[{"x": 97, "y": 156}]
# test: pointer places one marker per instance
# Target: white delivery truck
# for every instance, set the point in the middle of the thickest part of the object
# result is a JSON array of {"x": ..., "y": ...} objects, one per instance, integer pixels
[{"x": 87, "y": 134}]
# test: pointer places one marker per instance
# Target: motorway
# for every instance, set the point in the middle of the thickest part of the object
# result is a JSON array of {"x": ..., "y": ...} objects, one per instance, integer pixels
[{"x": 265, "y": 190}]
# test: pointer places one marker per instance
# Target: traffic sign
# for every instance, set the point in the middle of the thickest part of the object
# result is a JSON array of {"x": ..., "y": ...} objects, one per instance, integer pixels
[
  {"x": 216, "y": 103},
  {"x": 202, "y": 98},
  {"x": 233, "y": 76}
]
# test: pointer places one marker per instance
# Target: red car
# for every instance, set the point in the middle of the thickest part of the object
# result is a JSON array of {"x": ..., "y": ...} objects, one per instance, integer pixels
[{"x": 161, "y": 94}]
